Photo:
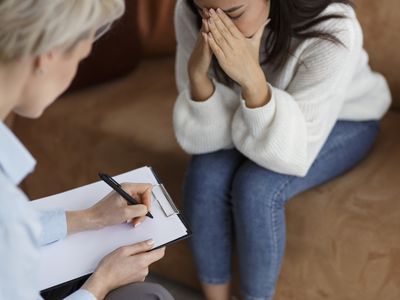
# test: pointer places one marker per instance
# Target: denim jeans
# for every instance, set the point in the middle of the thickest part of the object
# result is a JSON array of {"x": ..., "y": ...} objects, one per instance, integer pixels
[{"x": 231, "y": 200}]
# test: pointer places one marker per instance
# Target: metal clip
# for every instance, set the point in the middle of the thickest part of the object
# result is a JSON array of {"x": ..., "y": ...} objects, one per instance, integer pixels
[{"x": 165, "y": 201}]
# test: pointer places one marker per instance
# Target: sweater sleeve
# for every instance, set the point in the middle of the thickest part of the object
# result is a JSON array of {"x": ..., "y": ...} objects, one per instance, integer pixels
[
  {"x": 200, "y": 127},
  {"x": 287, "y": 134}
]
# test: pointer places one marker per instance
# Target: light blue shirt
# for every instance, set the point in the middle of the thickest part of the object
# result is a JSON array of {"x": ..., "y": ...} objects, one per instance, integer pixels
[{"x": 23, "y": 230}]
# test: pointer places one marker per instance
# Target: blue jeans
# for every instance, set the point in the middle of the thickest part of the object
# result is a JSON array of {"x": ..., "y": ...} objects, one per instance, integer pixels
[{"x": 230, "y": 199}]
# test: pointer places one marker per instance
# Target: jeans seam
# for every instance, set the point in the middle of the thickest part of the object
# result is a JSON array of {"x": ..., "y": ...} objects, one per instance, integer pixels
[
  {"x": 280, "y": 190},
  {"x": 275, "y": 224}
]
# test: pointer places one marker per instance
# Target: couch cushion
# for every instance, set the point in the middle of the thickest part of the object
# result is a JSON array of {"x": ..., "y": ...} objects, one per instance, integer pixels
[{"x": 380, "y": 22}]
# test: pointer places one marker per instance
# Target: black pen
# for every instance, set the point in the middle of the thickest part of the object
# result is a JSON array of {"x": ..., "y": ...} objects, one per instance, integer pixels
[{"x": 117, "y": 187}]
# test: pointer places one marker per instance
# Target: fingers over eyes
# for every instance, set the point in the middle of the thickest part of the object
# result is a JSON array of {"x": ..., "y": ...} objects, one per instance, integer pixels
[{"x": 229, "y": 25}]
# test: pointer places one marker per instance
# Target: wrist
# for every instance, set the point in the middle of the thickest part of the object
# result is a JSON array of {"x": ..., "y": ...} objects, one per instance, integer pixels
[
  {"x": 82, "y": 220},
  {"x": 256, "y": 92},
  {"x": 198, "y": 77},
  {"x": 201, "y": 87}
]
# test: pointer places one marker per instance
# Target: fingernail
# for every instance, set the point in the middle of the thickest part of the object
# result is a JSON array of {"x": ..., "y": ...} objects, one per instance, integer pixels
[
  {"x": 150, "y": 242},
  {"x": 137, "y": 224},
  {"x": 219, "y": 11},
  {"x": 212, "y": 11}
]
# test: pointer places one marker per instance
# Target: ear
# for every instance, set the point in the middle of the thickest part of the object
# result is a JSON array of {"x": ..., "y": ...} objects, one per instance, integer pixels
[{"x": 42, "y": 63}]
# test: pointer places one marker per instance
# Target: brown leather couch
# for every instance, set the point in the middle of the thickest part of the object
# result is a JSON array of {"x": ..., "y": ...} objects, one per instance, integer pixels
[{"x": 343, "y": 238}]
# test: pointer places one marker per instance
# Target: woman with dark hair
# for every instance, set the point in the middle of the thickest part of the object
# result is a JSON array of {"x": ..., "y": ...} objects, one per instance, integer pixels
[{"x": 275, "y": 97}]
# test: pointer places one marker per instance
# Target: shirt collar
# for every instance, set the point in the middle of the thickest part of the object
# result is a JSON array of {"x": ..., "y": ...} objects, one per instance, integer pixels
[{"x": 15, "y": 160}]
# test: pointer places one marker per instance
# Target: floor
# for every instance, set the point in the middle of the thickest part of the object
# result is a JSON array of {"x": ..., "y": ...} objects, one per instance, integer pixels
[{"x": 178, "y": 291}]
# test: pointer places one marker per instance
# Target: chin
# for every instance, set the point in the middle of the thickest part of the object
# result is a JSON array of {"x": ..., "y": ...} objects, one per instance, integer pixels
[
  {"x": 248, "y": 34},
  {"x": 28, "y": 113}
]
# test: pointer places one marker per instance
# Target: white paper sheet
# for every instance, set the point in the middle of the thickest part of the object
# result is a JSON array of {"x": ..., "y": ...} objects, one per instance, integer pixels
[{"x": 79, "y": 254}]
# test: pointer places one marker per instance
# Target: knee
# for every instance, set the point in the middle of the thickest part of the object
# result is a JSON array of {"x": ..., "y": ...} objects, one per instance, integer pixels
[
  {"x": 210, "y": 172},
  {"x": 256, "y": 188}
]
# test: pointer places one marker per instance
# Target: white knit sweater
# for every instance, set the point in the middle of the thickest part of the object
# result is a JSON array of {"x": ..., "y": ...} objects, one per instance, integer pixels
[{"x": 320, "y": 84}]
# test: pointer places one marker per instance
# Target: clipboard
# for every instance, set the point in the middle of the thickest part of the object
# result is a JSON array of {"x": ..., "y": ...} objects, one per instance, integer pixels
[{"x": 75, "y": 257}]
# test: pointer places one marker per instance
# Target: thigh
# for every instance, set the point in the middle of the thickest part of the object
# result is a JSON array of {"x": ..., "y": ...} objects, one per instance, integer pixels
[
  {"x": 347, "y": 145},
  {"x": 140, "y": 291}
]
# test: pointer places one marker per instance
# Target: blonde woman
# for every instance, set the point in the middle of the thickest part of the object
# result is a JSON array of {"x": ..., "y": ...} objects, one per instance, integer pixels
[{"x": 41, "y": 44}]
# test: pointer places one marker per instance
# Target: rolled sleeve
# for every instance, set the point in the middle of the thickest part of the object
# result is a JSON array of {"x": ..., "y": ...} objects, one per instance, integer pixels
[{"x": 54, "y": 224}]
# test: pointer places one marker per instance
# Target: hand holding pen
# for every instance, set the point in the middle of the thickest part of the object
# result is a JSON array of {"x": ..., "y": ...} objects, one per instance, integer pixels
[
  {"x": 118, "y": 188},
  {"x": 115, "y": 208}
]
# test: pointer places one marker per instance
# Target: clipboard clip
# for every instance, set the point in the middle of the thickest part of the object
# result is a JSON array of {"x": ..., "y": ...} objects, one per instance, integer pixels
[{"x": 164, "y": 200}]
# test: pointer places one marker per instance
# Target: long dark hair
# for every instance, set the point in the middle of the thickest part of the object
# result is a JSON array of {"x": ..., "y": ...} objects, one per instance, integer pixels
[{"x": 289, "y": 19}]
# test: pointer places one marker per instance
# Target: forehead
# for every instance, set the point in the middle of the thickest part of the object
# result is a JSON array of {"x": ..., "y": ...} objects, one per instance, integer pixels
[{"x": 223, "y": 4}]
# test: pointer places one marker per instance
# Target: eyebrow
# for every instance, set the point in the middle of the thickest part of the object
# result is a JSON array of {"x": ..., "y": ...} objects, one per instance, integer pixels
[{"x": 227, "y": 11}]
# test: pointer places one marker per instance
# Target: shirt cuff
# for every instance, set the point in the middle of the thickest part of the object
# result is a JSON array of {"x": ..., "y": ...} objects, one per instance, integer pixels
[
  {"x": 81, "y": 294},
  {"x": 54, "y": 224},
  {"x": 258, "y": 118}
]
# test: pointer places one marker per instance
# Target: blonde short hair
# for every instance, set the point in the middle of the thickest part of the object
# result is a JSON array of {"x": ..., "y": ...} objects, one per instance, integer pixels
[{"x": 33, "y": 27}]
